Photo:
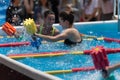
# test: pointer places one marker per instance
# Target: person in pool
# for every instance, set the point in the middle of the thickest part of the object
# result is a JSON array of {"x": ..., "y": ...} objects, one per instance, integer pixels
[
  {"x": 47, "y": 27},
  {"x": 70, "y": 35},
  {"x": 106, "y": 73}
]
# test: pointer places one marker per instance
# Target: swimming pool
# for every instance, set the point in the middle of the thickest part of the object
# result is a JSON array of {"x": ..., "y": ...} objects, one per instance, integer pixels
[{"x": 69, "y": 61}]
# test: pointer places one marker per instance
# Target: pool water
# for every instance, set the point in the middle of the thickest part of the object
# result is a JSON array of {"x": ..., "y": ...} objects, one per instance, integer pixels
[{"x": 68, "y": 61}]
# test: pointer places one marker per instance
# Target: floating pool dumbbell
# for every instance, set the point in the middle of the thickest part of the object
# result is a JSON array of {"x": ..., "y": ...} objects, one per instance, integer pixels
[
  {"x": 11, "y": 31},
  {"x": 36, "y": 43},
  {"x": 30, "y": 26},
  {"x": 8, "y": 29},
  {"x": 99, "y": 56}
]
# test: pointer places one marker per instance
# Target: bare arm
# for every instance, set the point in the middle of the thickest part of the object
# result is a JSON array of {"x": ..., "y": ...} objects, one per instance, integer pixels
[
  {"x": 58, "y": 37},
  {"x": 28, "y": 6},
  {"x": 113, "y": 68},
  {"x": 92, "y": 15},
  {"x": 99, "y": 10},
  {"x": 99, "y": 14},
  {"x": 83, "y": 15}
]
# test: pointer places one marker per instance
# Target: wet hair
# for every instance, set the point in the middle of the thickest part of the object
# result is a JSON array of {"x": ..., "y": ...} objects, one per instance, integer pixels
[
  {"x": 48, "y": 12},
  {"x": 67, "y": 16}
]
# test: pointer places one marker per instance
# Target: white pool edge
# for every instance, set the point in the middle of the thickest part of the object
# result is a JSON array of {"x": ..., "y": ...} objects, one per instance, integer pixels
[
  {"x": 92, "y": 22},
  {"x": 26, "y": 70}
]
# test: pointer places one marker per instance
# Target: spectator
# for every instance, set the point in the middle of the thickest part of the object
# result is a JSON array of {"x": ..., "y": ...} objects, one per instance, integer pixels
[
  {"x": 74, "y": 5},
  {"x": 29, "y": 5},
  {"x": 68, "y": 8},
  {"x": 47, "y": 27},
  {"x": 89, "y": 10},
  {"x": 40, "y": 8},
  {"x": 106, "y": 8},
  {"x": 15, "y": 13},
  {"x": 62, "y": 4},
  {"x": 55, "y": 9}
]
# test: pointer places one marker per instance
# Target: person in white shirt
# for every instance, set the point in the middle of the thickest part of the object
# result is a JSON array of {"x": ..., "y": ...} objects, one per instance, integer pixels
[
  {"x": 89, "y": 10},
  {"x": 106, "y": 8}
]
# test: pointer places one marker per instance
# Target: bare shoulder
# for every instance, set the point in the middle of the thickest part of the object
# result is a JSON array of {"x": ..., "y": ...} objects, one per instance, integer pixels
[{"x": 71, "y": 31}]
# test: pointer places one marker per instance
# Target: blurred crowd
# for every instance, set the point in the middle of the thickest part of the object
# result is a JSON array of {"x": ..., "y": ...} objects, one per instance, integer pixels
[{"x": 83, "y": 10}]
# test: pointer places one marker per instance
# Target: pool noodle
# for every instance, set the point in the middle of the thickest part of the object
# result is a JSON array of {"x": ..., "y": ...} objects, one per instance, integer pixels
[
  {"x": 14, "y": 44},
  {"x": 42, "y": 54},
  {"x": 112, "y": 40},
  {"x": 35, "y": 56},
  {"x": 47, "y": 54},
  {"x": 104, "y": 38},
  {"x": 71, "y": 70}
]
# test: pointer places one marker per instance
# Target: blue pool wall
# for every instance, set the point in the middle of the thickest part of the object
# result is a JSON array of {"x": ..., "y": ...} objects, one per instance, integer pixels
[
  {"x": 97, "y": 26},
  {"x": 84, "y": 27}
]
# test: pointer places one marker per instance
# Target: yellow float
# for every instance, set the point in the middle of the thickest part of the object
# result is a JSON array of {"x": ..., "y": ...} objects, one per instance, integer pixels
[{"x": 30, "y": 26}]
